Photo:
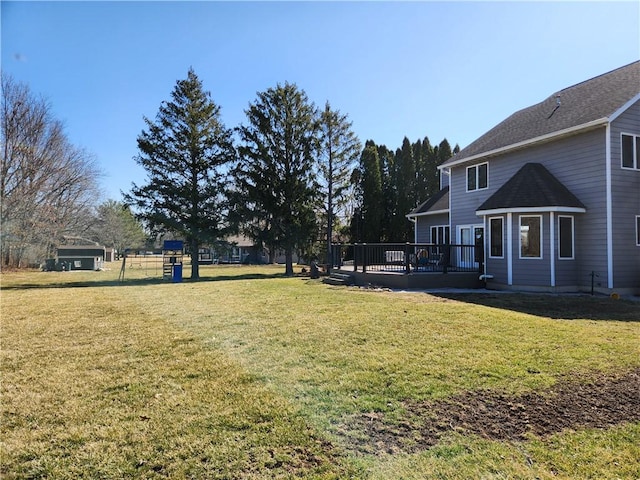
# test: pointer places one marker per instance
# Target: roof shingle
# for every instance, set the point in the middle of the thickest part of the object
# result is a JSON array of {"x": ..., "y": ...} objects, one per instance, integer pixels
[
  {"x": 532, "y": 186},
  {"x": 437, "y": 203},
  {"x": 585, "y": 102}
]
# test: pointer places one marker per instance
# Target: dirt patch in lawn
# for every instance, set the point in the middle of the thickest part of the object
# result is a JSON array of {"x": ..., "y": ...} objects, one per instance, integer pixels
[{"x": 573, "y": 403}]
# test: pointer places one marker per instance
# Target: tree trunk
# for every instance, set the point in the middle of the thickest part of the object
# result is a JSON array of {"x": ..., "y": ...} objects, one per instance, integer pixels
[
  {"x": 195, "y": 265},
  {"x": 288, "y": 262}
]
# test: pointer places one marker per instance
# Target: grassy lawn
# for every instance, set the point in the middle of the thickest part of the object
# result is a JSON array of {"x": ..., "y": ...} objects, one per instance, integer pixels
[{"x": 248, "y": 374}]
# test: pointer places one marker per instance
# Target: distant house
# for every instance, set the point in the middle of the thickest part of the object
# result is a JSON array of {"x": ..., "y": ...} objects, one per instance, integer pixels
[
  {"x": 551, "y": 195},
  {"x": 239, "y": 249},
  {"x": 81, "y": 257}
]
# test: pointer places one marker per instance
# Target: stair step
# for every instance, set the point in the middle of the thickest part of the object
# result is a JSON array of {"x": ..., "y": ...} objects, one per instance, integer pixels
[
  {"x": 342, "y": 276},
  {"x": 338, "y": 279}
]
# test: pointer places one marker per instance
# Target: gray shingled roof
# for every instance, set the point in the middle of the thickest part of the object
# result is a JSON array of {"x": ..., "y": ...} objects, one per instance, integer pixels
[
  {"x": 591, "y": 100},
  {"x": 438, "y": 202},
  {"x": 532, "y": 186}
]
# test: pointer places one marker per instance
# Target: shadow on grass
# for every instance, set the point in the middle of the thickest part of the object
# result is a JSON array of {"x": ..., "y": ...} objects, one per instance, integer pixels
[
  {"x": 144, "y": 281},
  {"x": 555, "y": 306}
]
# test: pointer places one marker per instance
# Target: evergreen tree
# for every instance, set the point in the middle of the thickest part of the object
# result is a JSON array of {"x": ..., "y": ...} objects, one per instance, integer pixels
[
  {"x": 370, "y": 194},
  {"x": 444, "y": 152},
  {"x": 406, "y": 185},
  {"x": 389, "y": 175},
  {"x": 408, "y": 177},
  {"x": 276, "y": 190},
  {"x": 339, "y": 150},
  {"x": 430, "y": 171},
  {"x": 184, "y": 152}
]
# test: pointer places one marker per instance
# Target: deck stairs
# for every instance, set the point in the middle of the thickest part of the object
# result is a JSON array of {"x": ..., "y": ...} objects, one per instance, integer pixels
[{"x": 339, "y": 278}]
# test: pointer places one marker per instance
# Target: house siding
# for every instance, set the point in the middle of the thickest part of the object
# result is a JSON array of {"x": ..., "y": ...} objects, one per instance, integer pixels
[
  {"x": 424, "y": 224},
  {"x": 579, "y": 163},
  {"x": 625, "y": 197}
]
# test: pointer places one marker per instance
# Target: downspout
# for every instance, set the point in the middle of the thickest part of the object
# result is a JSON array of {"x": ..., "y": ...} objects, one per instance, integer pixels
[
  {"x": 509, "y": 249},
  {"x": 414, "y": 220},
  {"x": 552, "y": 253},
  {"x": 485, "y": 247},
  {"x": 609, "y": 206},
  {"x": 447, "y": 171}
]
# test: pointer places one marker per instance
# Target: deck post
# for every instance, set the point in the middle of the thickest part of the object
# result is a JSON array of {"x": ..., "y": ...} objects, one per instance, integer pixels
[
  {"x": 407, "y": 258},
  {"x": 355, "y": 257},
  {"x": 364, "y": 258},
  {"x": 446, "y": 257}
]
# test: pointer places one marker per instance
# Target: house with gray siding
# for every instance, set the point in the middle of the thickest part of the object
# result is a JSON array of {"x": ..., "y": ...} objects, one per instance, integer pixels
[{"x": 551, "y": 195}]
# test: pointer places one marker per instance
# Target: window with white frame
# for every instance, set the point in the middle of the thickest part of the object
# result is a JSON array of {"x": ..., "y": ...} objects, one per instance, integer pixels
[
  {"x": 638, "y": 230},
  {"x": 496, "y": 237},
  {"x": 630, "y": 151},
  {"x": 531, "y": 236},
  {"x": 477, "y": 177},
  {"x": 440, "y": 234},
  {"x": 565, "y": 237}
]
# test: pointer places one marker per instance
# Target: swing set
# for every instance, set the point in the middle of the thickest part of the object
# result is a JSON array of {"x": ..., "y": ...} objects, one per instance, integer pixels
[{"x": 172, "y": 261}]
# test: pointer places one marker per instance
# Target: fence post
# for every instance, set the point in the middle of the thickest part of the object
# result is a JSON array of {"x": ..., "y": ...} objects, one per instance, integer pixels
[
  {"x": 407, "y": 258},
  {"x": 355, "y": 257},
  {"x": 364, "y": 258},
  {"x": 446, "y": 257}
]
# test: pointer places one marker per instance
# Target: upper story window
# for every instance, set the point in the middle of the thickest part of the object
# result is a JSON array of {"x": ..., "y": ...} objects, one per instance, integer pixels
[
  {"x": 631, "y": 151},
  {"x": 477, "y": 177}
]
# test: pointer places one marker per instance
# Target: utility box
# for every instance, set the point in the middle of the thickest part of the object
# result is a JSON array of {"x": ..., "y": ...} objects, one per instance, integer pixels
[{"x": 172, "y": 256}]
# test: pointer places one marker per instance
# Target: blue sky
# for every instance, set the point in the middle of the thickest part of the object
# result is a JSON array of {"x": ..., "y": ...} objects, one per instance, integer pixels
[{"x": 415, "y": 69}]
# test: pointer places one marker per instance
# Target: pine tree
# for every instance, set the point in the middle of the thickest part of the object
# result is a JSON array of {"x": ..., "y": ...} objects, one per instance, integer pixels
[
  {"x": 370, "y": 190},
  {"x": 389, "y": 175},
  {"x": 184, "y": 152},
  {"x": 276, "y": 189},
  {"x": 339, "y": 150},
  {"x": 406, "y": 191}
]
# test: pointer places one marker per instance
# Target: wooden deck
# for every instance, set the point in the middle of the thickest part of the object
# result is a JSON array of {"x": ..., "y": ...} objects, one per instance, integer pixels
[{"x": 414, "y": 280}]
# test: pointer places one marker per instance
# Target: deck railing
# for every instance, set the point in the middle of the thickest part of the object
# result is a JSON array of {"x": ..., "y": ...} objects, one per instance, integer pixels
[{"x": 406, "y": 258}]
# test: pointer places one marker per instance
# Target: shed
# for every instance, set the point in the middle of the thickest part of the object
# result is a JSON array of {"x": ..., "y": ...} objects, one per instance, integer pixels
[{"x": 81, "y": 257}]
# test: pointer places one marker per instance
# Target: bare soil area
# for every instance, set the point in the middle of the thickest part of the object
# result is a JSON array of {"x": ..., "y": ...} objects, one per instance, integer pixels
[{"x": 573, "y": 403}]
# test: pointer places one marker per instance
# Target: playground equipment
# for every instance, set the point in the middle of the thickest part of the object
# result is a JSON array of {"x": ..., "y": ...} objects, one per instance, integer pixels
[
  {"x": 172, "y": 260},
  {"x": 172, "y": 255}
]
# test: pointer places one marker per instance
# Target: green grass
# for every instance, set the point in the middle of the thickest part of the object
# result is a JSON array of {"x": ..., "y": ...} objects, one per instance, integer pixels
[{"x": 248, "y": 374}]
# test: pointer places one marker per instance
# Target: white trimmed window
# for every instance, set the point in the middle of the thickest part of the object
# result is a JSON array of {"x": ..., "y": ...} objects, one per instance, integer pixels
[
  {"x": 565, "y": 237},
  {"x": 440, "y": 234},
  {"x": 477, "y": 177},
  {"x": 496, "y": 237},
  {"x": 530, "y": 236},
  {"x": 630, "y": 151}
]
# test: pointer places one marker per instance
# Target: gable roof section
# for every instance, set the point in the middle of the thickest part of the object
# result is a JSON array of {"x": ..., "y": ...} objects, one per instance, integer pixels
[
  {"x": 585, "y": 105},
  {"x": 532, "y": 188},
  {"x": 438, "y": 203}
]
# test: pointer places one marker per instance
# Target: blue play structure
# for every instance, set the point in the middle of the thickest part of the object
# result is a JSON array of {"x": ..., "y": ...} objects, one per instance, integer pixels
[{"x": 172, "y": 255}]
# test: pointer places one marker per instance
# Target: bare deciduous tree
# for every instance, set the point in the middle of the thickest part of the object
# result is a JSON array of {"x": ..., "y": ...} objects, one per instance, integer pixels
[{"x": 47, "y": 185}]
